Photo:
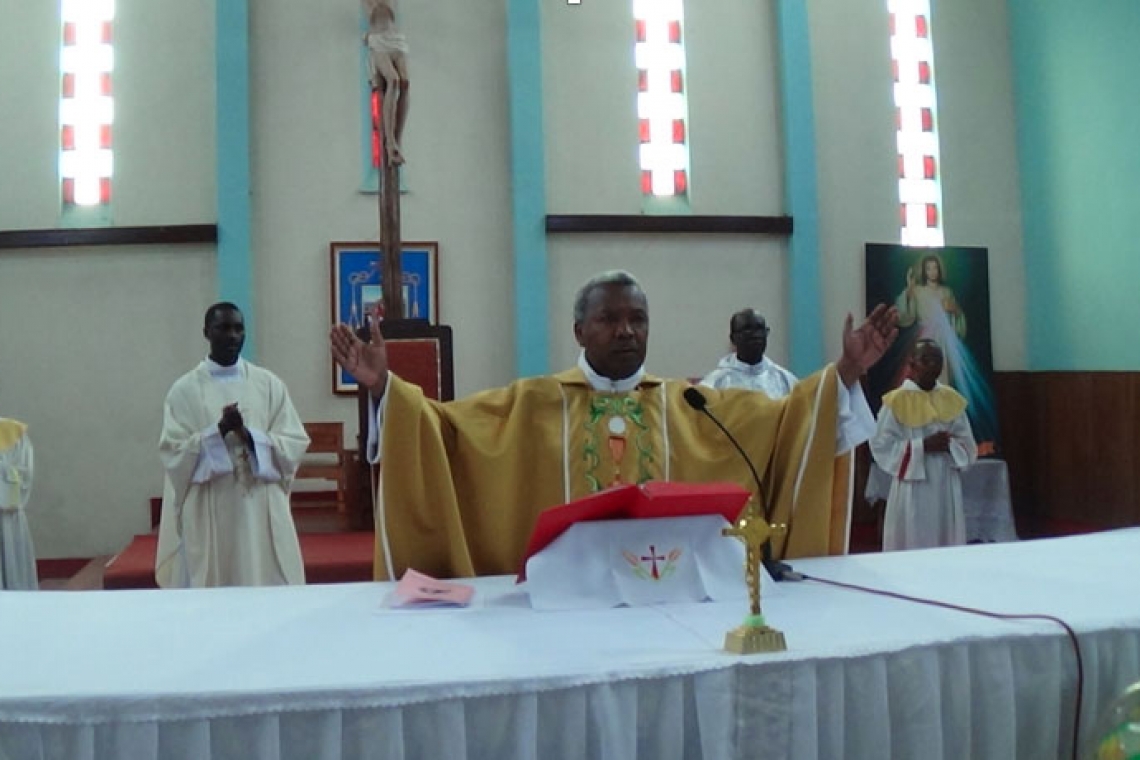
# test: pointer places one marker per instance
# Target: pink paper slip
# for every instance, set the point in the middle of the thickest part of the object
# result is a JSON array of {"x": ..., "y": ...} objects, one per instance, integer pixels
[{"x": 418, "y": 591}]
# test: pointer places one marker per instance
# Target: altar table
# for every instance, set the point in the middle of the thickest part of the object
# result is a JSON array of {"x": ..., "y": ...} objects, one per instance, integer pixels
[{"x": 326, "y": 672}]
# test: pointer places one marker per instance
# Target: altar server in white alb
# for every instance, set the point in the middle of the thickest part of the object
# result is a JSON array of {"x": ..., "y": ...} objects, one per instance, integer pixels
[
  {"x": 748, "y": 368},
  {"x": 923, "y": 441},
  {"x": 17, "y": 557},
  {"x": 231, "y": 443}
]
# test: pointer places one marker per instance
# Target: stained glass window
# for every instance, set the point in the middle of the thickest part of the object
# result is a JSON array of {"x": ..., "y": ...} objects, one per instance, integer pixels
[
  {"x": 86, "y": 105},
  {"x": 662, "y": 110},
  {"x": 916, "y": 123}
]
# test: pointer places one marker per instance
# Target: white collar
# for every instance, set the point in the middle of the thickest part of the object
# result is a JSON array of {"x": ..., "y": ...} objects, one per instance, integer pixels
[
  {"x": 599, "y": 383},
  {"x": 219, "y": 372},
  {"x": 732, "y": 361}
]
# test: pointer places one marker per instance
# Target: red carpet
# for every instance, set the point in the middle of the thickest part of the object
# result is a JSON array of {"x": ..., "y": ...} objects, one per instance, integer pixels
[{"x": 329, "y": 558}]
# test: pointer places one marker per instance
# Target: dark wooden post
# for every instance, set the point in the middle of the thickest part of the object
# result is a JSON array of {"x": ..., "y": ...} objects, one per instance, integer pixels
[{"x": 391, "y": 273}]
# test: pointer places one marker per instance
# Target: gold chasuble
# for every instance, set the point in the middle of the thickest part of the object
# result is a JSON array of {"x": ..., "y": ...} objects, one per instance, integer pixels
[{"x": 463, "y": 481}]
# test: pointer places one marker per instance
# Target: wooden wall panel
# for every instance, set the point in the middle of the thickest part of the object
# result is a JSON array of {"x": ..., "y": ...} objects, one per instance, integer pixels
[{"x": 1072, "y": 442}]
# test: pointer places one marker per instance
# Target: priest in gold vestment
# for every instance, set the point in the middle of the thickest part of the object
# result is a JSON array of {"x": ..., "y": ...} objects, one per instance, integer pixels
[{"x": 464, "y": 481}]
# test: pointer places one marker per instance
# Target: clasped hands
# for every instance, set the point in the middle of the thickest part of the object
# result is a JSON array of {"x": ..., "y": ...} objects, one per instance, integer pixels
[{"x": 232, "y": 421}]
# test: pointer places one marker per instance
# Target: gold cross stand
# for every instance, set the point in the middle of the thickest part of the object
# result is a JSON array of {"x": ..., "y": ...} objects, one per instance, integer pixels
[{"x": 754, "y": 635}]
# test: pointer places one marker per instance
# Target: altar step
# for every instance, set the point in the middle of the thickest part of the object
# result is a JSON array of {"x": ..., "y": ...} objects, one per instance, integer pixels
[{"x": 331, "y": 557}]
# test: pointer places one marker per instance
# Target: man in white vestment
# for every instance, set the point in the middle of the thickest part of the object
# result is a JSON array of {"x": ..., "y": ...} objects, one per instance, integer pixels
[
  {"x": 748, "y": 368},
  {"x": 17, "y": 556},
  {"x": 923, "y": 441},
  {"x": 231, "y": 442}
]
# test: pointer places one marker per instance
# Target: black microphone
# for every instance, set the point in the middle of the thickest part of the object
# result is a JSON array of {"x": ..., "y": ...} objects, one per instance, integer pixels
[{"x": 780, "y": 571}]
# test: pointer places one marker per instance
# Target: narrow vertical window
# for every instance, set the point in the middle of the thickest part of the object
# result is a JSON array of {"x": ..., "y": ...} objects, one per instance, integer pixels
[
  {"x": 86, "y": 110},
  {"x": 916, "y": 123},
  {"x": 662, "y": 109}
]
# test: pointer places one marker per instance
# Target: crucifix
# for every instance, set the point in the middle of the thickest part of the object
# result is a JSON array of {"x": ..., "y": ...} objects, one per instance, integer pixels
[
  {"x": 388, "y": 75},
  {"x": 754, "y": 635}
]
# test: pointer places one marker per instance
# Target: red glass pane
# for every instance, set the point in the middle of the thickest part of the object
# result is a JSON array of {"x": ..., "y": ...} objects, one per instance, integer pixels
[
  {"x": 640, "y": 31},
  {"x": 675, "y": 81},
  {"x": 375, "y": 102},
  {"x": 902, "y": 215},
  {"x": 902, "y": 167},
  {"x": 67, "y": 137},
  {"x": 105, "y": 83},
  {"x": 104, "y": 135},
  {"x": 105, "y": 190},
  {"x": 643, "y": 130},
  {"x": 898, "y": 119},
  {"x": 894, "y": 70},
  {"x": 646, "y": 183},
  {"x": 69, "y": 34},
  {"x": 67, "y": 86},
  {"x": 931, "y": 215},
  {"x": 891, "y": 23},
  {"x": 928, "y": 167},
  {"x": 927, "y": 120},
  {"x": 678, "y": 130},
  {"x": 920, "y": 27},
  {"x": 674, "y": 31},
  {"x": 642, "y": 80},
  {"x": 680, "y": 182},
  {"x": 923, "y": 72},
  {"x": 67, "y": 190},
  {"x": 105, "y": 33}
]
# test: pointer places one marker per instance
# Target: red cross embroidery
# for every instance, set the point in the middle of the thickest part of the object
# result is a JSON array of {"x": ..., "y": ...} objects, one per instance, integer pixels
[{"x": 652, "y": 558}]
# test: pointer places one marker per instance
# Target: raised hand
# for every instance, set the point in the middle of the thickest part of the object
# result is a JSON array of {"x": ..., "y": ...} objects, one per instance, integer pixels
[
  {"x": 865, "y": 345},
  {"x": 367, "y": 362}
]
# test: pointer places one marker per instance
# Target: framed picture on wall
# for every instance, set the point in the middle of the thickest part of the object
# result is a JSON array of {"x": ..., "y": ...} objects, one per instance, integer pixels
[{"x": 357, "y": 288}]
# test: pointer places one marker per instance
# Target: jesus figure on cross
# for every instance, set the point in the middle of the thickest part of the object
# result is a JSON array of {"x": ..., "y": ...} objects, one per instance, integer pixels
[{"x": 388, "y": 72}]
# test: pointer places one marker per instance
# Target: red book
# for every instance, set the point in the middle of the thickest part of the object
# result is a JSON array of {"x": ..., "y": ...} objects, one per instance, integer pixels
[{"x": 651, "y": 500}]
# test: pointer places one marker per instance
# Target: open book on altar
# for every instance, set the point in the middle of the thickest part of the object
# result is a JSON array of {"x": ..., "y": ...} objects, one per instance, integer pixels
[{"x": 652, "y": 500}]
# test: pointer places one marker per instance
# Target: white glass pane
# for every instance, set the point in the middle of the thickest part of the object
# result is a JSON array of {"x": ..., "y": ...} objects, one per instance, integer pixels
[
  {"x": 75, "y": 58},
  {"x": 87, "y": 191},
  {"x": 87, "y": 136},
  {"x": 670, "y": 10},
  {"x": 85, "y": 163},
  {"x": 663, "y": 183},
  {"x": 665, "y": 106},
  {"x": 87, "y": 10},
  {"x": 100, "y": 110},
  {"x": 653, "y": 55}
]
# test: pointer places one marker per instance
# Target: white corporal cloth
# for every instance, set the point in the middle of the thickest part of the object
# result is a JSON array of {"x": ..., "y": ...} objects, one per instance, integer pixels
[
  {"x": 634, "y": 562},
  {"x": 326, "y": 673},
  {"x": 985, "y": 499}
]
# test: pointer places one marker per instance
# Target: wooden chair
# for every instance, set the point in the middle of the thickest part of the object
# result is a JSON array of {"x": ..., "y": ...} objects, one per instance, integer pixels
[{"x": 326, "y": 458}]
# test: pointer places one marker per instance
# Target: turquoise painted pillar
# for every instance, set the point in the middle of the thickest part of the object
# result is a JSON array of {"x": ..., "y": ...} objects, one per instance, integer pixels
[
  {"x": 528, "y": 188},
  {"x": 235, "y": 249},
  {"x": 805, "y": 303}
]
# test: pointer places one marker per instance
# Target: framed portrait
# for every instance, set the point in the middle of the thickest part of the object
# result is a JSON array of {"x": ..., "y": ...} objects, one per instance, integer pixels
[
  {"x": 357, "y": 288},
  {"x": 941, "y": 294}
]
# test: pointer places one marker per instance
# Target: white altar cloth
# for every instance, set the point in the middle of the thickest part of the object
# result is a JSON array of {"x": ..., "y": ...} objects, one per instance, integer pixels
[{"x": 324, "y": 672}]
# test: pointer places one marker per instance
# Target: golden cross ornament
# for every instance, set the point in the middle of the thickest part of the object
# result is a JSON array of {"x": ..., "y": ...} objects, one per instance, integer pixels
[{"x": 754, "y": 635}]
